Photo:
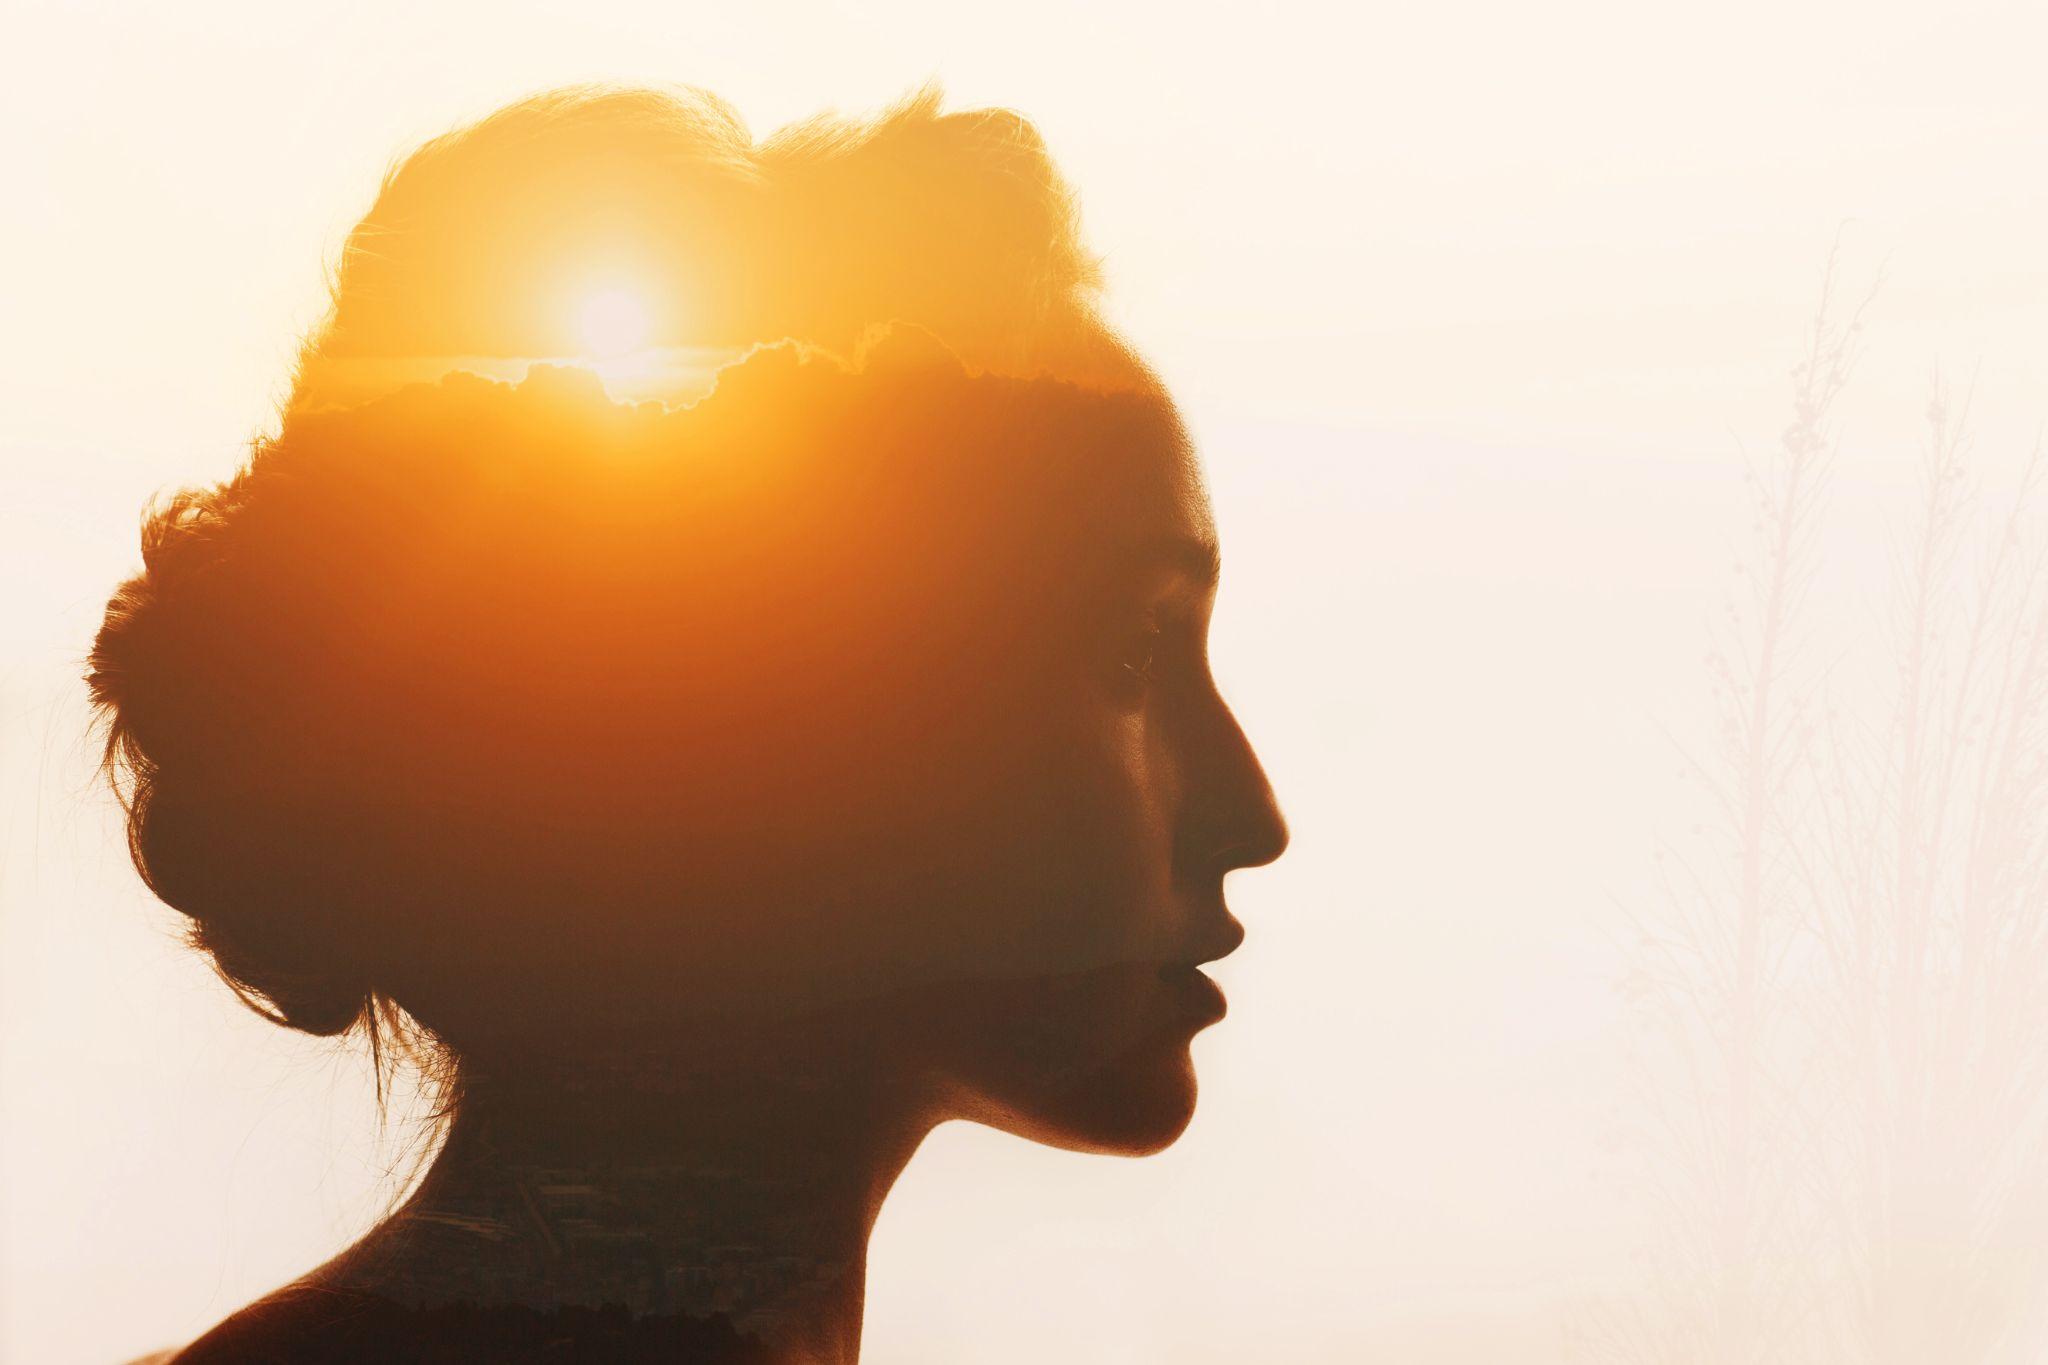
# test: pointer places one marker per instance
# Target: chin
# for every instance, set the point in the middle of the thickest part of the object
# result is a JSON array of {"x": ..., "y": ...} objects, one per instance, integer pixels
[
  {"x": 1136, "y": 1107},
  {"x": 1092, "y": 1062}
]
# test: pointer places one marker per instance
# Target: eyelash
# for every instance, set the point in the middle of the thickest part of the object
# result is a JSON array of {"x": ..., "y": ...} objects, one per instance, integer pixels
[{"x": 1153, "y": 637}]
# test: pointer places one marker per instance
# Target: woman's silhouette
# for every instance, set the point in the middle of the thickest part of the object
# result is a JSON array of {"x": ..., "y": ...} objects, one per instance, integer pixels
[{"x": 719, "y": 794}]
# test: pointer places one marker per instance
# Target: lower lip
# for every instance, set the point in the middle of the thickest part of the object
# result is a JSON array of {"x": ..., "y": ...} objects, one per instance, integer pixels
[{"x": 1196, "y": 993}]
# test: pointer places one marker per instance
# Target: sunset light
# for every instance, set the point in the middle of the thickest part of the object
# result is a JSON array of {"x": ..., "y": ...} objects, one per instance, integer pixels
[
  {"x": 605, "y": 750},
  {"x": 613, "y": 321}
]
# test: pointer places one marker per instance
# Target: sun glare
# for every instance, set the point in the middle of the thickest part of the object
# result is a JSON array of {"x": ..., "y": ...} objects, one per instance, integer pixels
[{"x": 613, "y": 322}]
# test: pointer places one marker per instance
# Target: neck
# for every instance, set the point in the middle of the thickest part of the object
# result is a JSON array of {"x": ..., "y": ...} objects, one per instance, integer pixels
[{"x": 739, "y": 1177}]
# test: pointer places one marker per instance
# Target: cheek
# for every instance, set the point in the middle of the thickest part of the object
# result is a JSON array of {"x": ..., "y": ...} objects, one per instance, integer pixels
[
  {"x": 1093, "y": 863},
  {"x": 1030, "y": 845}
]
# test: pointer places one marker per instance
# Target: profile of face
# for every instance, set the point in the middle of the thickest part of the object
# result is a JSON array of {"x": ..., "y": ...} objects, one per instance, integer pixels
[
  {"x": 1092, "y": 796},
  {"x": 868, "y": 695},
  {"x": 1130, "y": 793}
]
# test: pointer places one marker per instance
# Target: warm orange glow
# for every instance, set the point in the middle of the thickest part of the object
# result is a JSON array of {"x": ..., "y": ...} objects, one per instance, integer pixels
[
  {"x": 613, "y": 321},
  {"x": 637, "y": 232}
]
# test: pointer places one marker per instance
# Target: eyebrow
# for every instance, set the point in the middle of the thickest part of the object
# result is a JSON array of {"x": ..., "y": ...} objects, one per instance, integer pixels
[{"x": 1201, "y": 560}]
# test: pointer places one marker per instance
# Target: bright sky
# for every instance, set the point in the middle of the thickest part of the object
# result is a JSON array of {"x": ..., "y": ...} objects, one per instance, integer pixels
[{"x": 1475, "y": 308}]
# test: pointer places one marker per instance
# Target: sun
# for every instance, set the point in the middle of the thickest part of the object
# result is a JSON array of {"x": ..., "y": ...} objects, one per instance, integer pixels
[{"x": 613, "y": 321}]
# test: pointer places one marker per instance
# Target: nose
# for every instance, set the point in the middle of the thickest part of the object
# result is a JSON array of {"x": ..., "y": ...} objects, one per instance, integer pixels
[{"x": 1241, "y": 815}]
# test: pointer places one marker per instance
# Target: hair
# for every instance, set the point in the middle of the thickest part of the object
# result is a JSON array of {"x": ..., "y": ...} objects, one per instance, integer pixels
[
  {"x": 305, "y": 690},
  {"x": 459, "y": 657},
  {"x": 957, "y": 222}
]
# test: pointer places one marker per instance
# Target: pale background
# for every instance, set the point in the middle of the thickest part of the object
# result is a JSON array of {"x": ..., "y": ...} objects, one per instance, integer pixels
[{"x": 1476, "y": 309}]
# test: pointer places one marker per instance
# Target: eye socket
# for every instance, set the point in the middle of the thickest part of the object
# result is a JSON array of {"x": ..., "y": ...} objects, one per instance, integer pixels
[
  {"x": 1134, "y": 651},
  {"x": 1138, "y": 653},
  {"x": 1157, "y": 644}
]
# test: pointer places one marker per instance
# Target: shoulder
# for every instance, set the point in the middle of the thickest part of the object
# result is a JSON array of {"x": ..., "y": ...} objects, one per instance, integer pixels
[
  {"x": 307, "y": 1325},
  {"x": 298, "y": 1323}
]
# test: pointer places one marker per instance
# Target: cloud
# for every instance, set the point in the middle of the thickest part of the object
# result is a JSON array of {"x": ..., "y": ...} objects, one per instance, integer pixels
[{"x": 486, "y": 241}]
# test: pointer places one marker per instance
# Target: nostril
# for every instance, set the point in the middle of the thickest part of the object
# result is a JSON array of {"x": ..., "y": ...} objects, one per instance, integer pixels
[{"x": 1259, "y": 847}]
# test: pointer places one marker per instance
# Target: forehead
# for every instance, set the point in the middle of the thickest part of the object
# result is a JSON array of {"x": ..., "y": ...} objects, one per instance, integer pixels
[
  {"x": 1158, "y": 521},
  {"x": 1066, "y": 492},
  {"x": 1137, "y": 493},
  {"x": 1172, "y": 496}
]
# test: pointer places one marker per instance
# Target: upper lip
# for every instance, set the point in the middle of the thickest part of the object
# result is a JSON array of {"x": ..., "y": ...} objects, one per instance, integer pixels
[{"x": 1220, "y": 943}]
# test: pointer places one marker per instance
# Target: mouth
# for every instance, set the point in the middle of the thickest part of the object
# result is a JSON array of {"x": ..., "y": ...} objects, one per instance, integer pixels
[
  {"x": 1191, "y": 988},
  {"x": 1194, "y": 992}
]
